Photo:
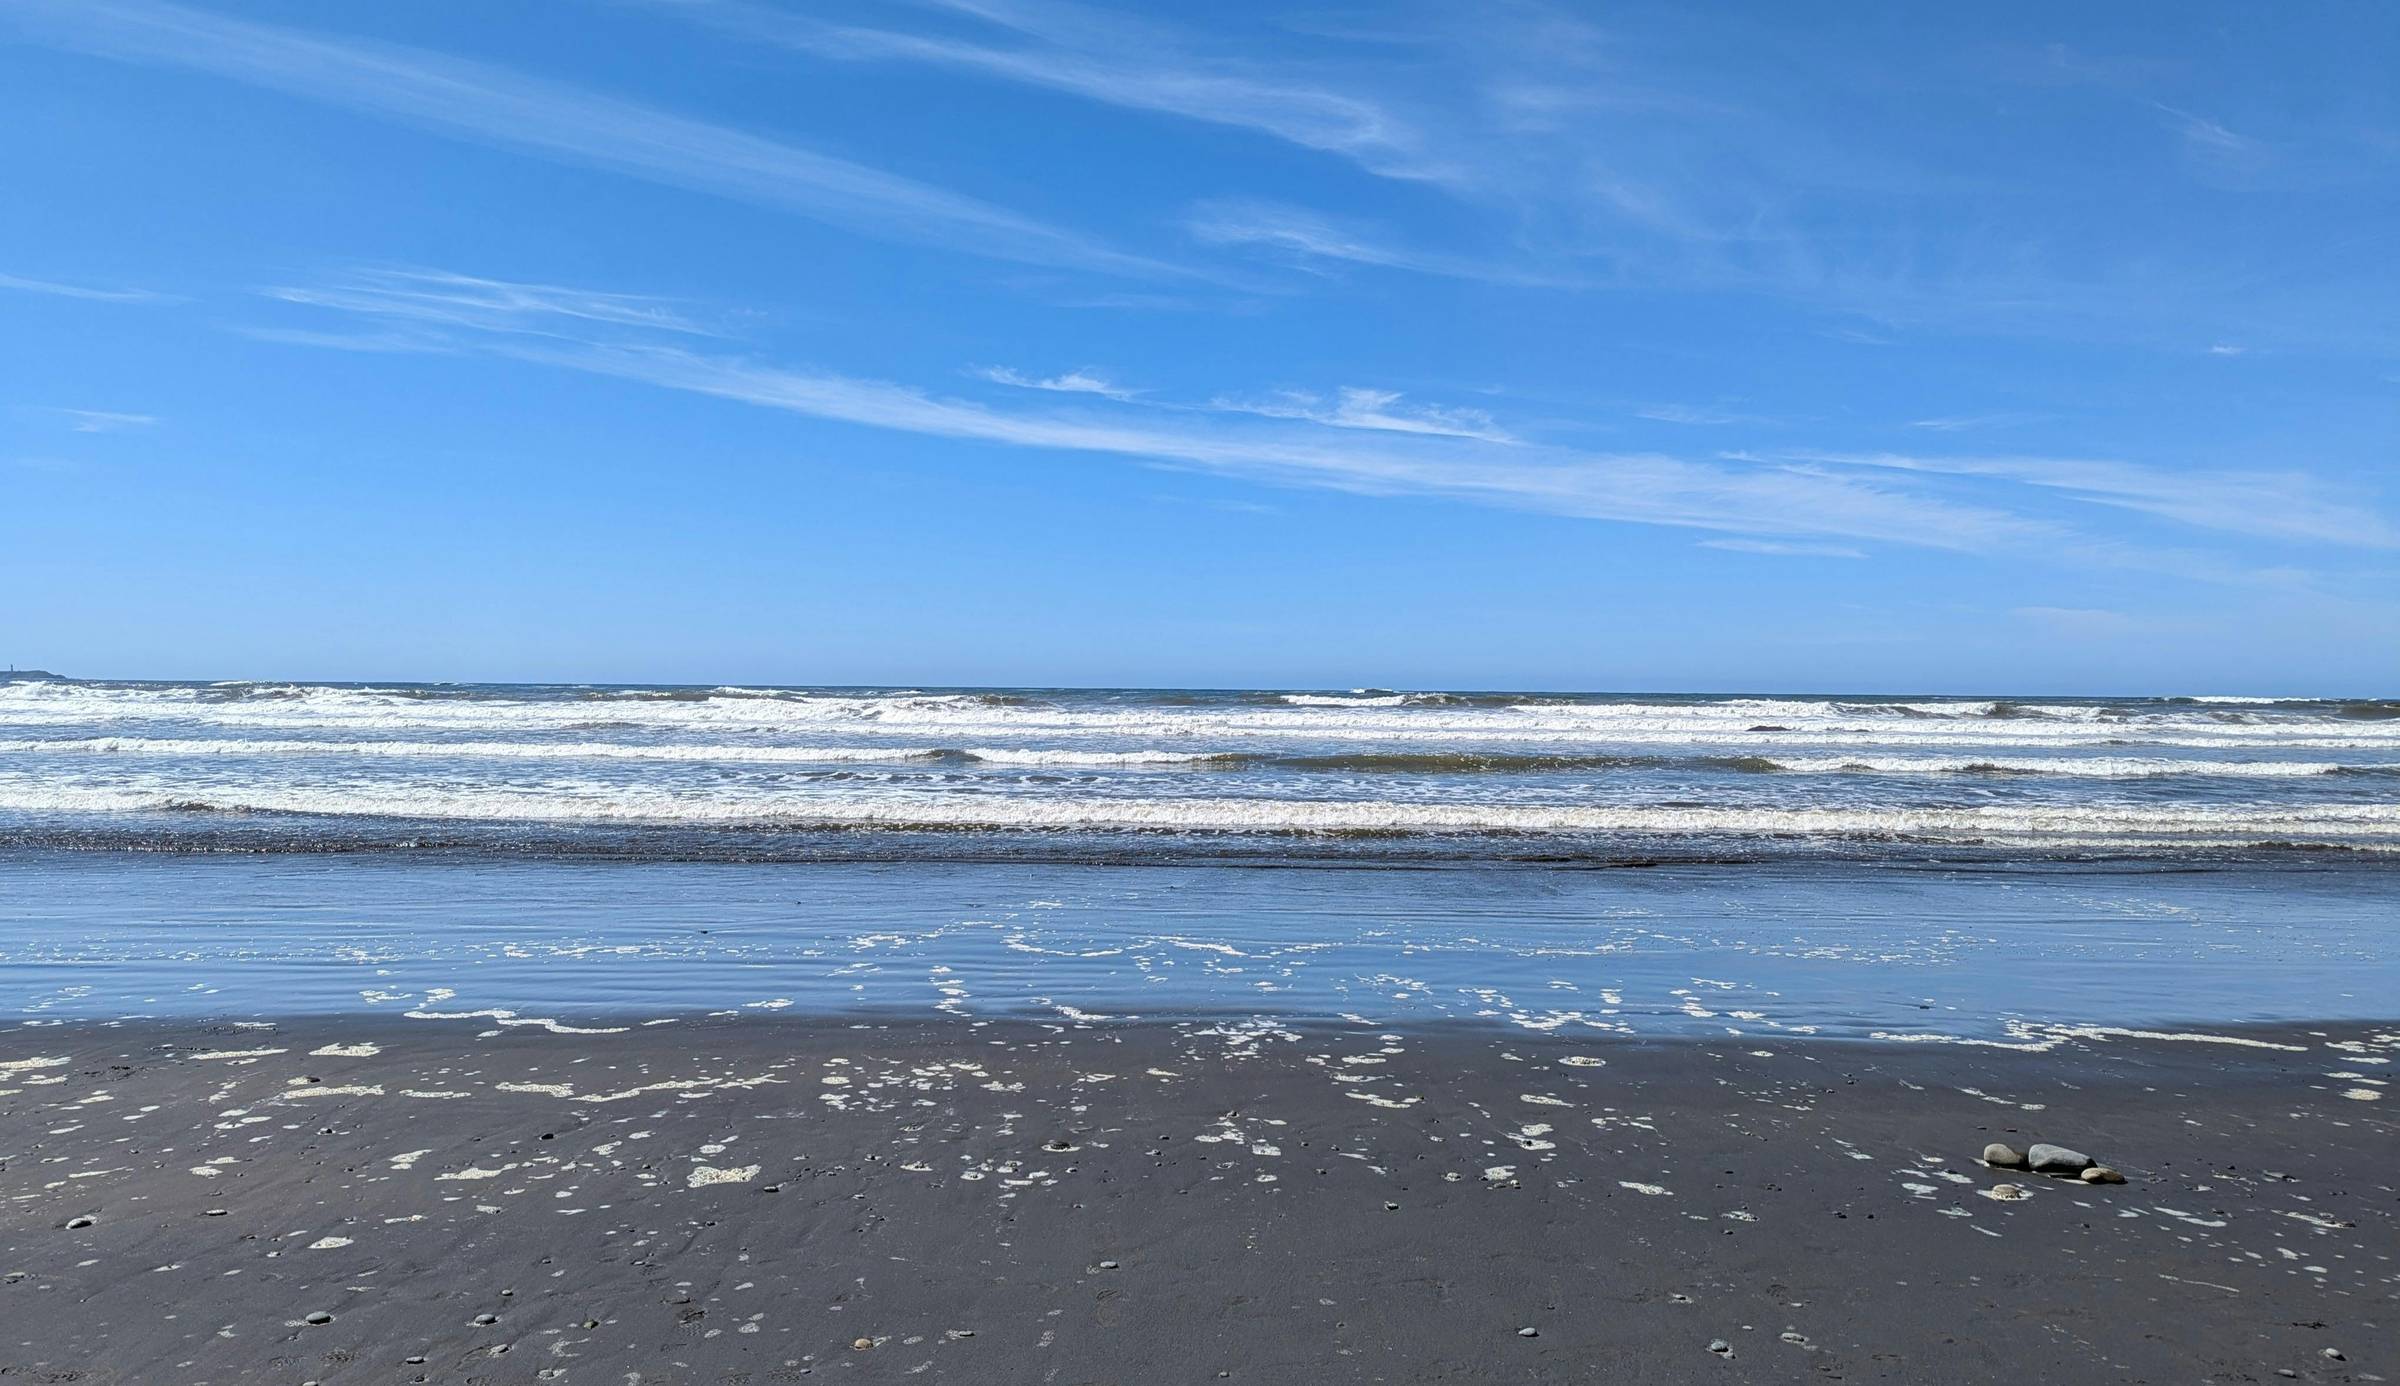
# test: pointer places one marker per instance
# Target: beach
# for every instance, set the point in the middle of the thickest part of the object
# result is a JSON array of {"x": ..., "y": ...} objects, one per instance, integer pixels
[
  {"x": 1040, "y": 693},
  {"x": 766, "y": 1199},
  {"x": 499, "y": 1034}
]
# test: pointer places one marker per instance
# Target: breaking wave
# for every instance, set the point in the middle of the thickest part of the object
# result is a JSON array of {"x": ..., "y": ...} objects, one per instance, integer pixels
[{"x": 2164, "y": 772}]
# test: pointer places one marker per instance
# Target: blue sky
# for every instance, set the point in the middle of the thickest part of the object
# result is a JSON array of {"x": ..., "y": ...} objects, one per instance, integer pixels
[{"x": 1766, "y": 346}]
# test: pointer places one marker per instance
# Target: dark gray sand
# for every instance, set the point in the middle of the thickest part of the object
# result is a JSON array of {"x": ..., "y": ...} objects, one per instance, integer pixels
[{"x": 763, "y": 1200}]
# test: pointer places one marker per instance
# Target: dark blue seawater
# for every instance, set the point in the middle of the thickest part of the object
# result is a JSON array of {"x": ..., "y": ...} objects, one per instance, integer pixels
[
  {"x": 735, "y": 771},
  {"x": 1962, "y": 868}
]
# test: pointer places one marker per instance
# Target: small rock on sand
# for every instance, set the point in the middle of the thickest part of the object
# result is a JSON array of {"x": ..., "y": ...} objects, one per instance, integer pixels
[
  {"x": 2057, "y": 1159},
  {"x": 2004, "y": 1192},
  {"x": 2102, "y": 1174},
  {"x": 1529, "y": 1333},
  {"x": 2006, "y": 1157},
  {"x": 1720, "y": 1347}
]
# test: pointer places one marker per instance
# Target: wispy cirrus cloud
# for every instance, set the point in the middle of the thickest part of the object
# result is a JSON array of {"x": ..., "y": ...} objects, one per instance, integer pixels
[
  {"x": 1380, "y": 410},
  {"x": 1821, "y": 503},
  {"x": 102, "y": 420},
  {"x": 1065, "y": 383},
  {"x": 1332, "y": 452},
  {"x": 1706, "y": 416},
  {"x": 1312, "y": 240},
  {"x": 1114, "y": 58},
  {"x": 1294, "y": 230},
  {"x": 2271, "y": 505},
  {"x": 1782, "y": 548},
  {"x": 1636, "y": 488},
  {"x": 1961, "y": 423},
  {"x": 493, "y": 105},
  {"x": 88, "y": 293},
  {"x": 1670, "y": 149},
  {"x": 443, "y": 299},
  {"x": 2213, "y": 147}
]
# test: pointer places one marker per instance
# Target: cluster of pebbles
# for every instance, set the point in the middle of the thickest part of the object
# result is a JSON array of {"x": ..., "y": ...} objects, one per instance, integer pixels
[{"x": 2041, "y": 1158}]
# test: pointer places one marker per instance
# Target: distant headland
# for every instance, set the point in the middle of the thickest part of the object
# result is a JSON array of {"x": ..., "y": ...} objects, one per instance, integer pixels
[{"x": 15, "y": 674}]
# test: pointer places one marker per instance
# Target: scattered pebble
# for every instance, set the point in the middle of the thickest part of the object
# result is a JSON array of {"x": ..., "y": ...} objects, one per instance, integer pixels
[
  {"x": 2056, "y": 1159},
  {"x": 2003, "y": 1156},
  {"x": 2102, "y": 1174}
]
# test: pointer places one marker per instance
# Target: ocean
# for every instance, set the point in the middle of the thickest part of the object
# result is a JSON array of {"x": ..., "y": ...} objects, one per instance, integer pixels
[{"x": 1962, "y": 868}]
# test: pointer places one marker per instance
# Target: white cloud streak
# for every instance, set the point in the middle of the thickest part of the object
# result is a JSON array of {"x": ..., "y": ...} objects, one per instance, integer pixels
[
  {"x": 1961, "y": 423},
  {"x": 1813, "y": 499},
  {"x": 2209, "y": 141},
  {"x": 1294, "y": 230},
  {"x": 1379, "y": 410},
  {"x": 1107, "y": 57},
  {"x": 495, "y": 106},
  {"x": 1782, "y": 549},
  {"x": 54, "y": 289},
  {"x": 1066, "y": 383},
  {"x": 103, "y": 420},
  {"x": 1643, "y": 488},
  {"x": 1649, "y": 149},
  {"x": 2270, "y": 505},
  {"x": 443, "y": 299},
  {"x": 1699, "y": 416},
  {"x": 1307, "y": 238}
]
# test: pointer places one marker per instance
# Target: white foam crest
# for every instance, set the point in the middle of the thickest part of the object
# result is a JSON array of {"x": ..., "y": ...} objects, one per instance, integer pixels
[
  {"x": 961, "y": 719},
  {"x": 1346, "y": 700},
  {"x": 2090, "y": 767},
  {"x": 593, "y": 750},
  {"x": 2368, "y": 825}
]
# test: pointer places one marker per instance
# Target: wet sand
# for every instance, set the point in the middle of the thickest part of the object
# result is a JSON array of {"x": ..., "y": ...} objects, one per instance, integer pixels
[{"x": 766, "y": 1199}]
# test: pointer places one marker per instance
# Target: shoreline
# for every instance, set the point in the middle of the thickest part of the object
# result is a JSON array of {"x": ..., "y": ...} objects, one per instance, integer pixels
[
  {"x": 745, "y": 1199},
  {"x": 1811, "y": 949},
  {"x": 249, "y": 835}
]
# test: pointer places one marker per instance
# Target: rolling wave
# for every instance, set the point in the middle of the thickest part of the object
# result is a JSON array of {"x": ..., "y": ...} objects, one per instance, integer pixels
[
  {"x": 1427, "y": 763},
  {"x": 1451, "y": 722},
  {"x": 2365, "y": 826},
  {"x": 2162, "y": 773}
]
